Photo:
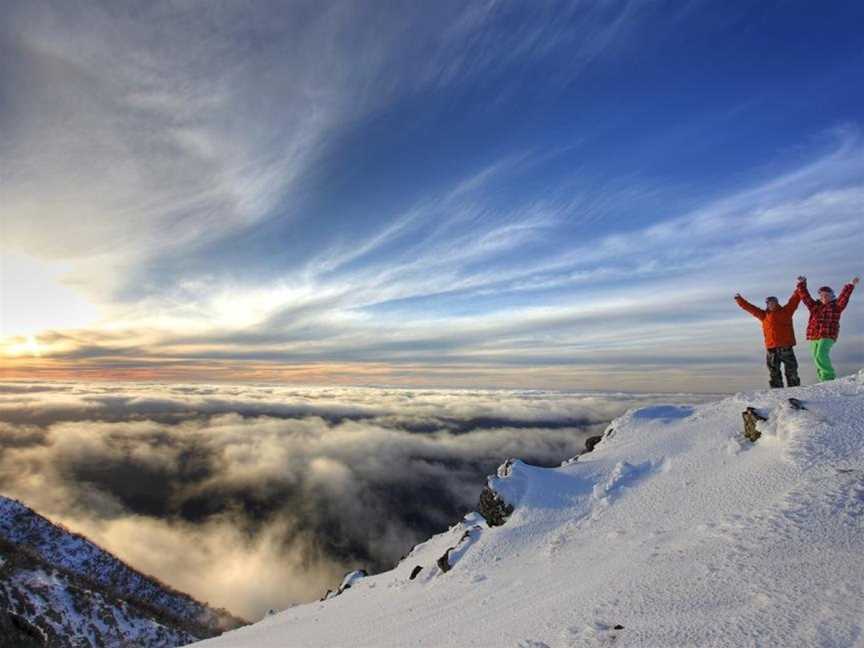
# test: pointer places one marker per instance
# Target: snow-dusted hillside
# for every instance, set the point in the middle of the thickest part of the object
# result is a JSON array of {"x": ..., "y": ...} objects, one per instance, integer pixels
[
  {"x": 68, "y": 588},
  {"x": 674, "y": 531},
  {"x": 54, "y": 608}
]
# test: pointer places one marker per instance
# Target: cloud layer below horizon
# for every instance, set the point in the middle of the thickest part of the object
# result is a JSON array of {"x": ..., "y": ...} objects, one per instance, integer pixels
[{"x": 255, "y": 497}]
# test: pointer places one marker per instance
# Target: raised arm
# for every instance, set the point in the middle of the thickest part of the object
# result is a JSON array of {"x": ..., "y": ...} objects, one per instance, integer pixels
[
  {"x": 756, "y": 312},
  {"x": 793, "y": 302},
  {"x": 804, "y": 294},
  {"x": 846, "y": 293}
]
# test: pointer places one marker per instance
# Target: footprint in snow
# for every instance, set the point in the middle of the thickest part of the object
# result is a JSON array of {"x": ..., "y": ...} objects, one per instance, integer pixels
[
  {"x": 555, "y": 544},
  {"x": 597, "y": 633},
  {"x": 532, "y": 643},
  {"x": 623, "y": 475}
]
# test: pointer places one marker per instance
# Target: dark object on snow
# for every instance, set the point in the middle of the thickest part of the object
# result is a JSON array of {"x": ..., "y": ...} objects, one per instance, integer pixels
[
  {"x": 417, "y": 569},
  {"x": 494, "y": 509},
  {"x": 352, "y": 577},
  {"x": 444, "y": 561},
  {"x": 618, "y": 627},
  {"x": 751, "y": 417},
  {"x": 590, "y": 442},
  {"x": 347, "y": 581},
  {"x": 797, "y": 404}
]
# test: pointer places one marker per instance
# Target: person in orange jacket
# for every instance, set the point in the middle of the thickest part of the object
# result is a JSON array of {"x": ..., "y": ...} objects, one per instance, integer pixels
[{"x": 779, "y": 337}]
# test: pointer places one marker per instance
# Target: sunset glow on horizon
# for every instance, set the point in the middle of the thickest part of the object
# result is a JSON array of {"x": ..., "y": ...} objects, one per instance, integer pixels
[{"x": 458, "y": 195}]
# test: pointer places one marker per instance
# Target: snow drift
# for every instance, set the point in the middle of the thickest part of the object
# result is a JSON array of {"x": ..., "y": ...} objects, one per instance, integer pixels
[{"x": 674, "y": 531}]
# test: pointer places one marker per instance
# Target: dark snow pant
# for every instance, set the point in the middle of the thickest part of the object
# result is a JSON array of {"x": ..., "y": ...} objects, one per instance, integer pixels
[{"x": 786, "y": 357}]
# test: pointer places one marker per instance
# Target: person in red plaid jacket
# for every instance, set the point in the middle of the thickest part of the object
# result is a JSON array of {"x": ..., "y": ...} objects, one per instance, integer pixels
[{"x": 824, "y": 325}]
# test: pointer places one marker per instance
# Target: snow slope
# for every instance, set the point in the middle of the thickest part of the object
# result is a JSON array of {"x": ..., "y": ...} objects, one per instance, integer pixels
[
  {"x": 62, "y": 610},
  {"x": 69, "y": 588},
  {"x": 675, "y": 527}
]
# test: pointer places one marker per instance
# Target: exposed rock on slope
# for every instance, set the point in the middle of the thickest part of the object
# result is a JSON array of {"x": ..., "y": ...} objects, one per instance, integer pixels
[
  {"x": 347, "y": 581},
  {"x": 493, "y": 509}
]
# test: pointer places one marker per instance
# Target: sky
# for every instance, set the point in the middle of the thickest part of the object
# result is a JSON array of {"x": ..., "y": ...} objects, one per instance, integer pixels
[{"x": 557, "y": 195}]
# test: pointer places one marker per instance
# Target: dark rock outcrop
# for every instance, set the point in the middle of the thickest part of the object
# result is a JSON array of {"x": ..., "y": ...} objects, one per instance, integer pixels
[
  {"x": 493, "y": 508},
  {"x": 415, "y": 572},
  {"x": 347, "y": 581},
  {"x": 350, "y": 578},
  {"x": 592, "y": 441},
  {"x": 751, "y": 418},
  {"x": 444, "y": 561}
]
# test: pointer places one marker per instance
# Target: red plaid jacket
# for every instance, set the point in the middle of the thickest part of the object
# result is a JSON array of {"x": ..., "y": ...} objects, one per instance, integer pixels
[{"x": 824, "y": 318}]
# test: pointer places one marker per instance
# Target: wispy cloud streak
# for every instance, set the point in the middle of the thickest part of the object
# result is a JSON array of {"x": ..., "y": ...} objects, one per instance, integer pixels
[{"x": 188, "y": 155}]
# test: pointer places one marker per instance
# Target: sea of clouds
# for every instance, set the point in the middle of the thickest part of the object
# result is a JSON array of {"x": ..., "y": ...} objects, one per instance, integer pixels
[{"x": 261, "y": 496}]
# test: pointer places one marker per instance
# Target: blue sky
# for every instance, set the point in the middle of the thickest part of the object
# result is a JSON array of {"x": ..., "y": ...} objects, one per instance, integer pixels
[{"x": 537, "y": 194}]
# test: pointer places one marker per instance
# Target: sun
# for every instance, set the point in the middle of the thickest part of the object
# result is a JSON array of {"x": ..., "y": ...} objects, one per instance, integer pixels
[
  {"x": 32, "y": 347},
  {"x": 34, "y": 297},
  {"x": 21, "y": 346}
]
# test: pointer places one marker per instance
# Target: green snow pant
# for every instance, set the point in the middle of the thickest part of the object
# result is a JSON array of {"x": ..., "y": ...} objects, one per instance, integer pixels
[{"x": 821, "y": 349}]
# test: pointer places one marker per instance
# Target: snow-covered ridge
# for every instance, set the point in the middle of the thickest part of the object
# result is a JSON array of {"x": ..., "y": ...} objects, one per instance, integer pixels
[
  {"x": 674, "y": 531},
  {"x": 44, "y": 606},
  {"x": 56, "y": 561}
]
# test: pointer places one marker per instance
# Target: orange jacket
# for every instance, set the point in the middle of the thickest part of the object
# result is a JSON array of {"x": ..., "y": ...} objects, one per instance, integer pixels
[{"x": 776, "y": 325}]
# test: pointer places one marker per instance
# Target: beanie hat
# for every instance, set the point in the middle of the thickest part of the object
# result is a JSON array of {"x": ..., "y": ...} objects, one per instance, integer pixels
[
  {"x": 826, "y": 289},
  {"x": 772, "y": 298}
]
